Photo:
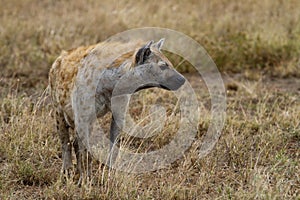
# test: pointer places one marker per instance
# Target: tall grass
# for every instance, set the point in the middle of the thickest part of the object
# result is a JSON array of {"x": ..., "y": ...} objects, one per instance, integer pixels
[{"x": 256, "y": 157}]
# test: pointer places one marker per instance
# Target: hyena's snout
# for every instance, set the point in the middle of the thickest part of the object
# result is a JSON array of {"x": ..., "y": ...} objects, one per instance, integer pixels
[{"x": 173, "y": 82}]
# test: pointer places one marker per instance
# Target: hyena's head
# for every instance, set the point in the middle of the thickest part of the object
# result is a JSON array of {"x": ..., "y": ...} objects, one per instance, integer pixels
[{"x": 157, "y": 67}]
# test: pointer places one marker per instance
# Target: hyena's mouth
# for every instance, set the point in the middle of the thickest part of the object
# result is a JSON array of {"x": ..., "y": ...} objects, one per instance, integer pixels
[
  {"x": 164, "y": 87},
  {"x": 147, "y": 86},
  {"x": 174, "y": 86}
]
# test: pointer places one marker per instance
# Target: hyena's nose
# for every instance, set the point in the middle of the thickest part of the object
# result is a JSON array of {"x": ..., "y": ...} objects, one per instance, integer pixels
[
  {"x": 173, "y": 83},
  {"x": 176, "y": 82},
  {"x": 181, "y": 80}
]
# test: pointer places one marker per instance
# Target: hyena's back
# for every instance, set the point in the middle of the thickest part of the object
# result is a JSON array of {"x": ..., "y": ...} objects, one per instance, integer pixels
[{"x": 64, "y": 70}]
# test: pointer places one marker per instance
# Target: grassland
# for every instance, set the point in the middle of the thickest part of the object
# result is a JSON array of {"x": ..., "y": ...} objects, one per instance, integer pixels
[{"x": 255, "y": 44}]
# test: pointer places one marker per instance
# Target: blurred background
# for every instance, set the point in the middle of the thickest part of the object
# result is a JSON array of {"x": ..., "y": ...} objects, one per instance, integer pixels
[{"x": 240, "y": 36}]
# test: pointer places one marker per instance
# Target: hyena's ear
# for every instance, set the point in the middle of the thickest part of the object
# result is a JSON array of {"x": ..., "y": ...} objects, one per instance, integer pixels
[
  {"x": 159, "y": 43},
  {"x": 143, "y": 53}
]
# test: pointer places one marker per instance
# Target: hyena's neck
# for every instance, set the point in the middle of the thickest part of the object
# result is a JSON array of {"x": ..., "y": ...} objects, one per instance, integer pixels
[{"x": 129, "y": 78}]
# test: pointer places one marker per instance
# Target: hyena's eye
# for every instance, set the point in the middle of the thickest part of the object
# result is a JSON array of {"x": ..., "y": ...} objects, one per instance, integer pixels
[{"x": 163, "y": 66}]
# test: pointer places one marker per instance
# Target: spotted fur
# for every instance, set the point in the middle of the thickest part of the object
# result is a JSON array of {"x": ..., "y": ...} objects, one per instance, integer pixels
[{"x": 64, "y": 74}]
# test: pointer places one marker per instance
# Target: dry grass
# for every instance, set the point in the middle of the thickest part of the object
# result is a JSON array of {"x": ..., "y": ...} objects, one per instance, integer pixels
[{"x": 257, "y": 156}]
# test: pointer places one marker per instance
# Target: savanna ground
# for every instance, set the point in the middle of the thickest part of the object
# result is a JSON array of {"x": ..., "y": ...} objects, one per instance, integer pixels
[{"x": 255, "y": 44}]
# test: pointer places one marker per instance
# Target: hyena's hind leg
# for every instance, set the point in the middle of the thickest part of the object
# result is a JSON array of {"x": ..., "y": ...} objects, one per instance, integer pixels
[
  {"x": 84, "y": 160},
  {"x": 64, "y": 135}
]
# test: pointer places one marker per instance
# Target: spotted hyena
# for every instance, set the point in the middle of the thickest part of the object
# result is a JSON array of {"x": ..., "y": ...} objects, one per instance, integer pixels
[{"x": 140, "y": 60}]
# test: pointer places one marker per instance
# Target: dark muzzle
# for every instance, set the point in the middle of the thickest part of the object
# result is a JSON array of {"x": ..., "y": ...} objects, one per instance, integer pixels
[{"x": 173, "y": 83}]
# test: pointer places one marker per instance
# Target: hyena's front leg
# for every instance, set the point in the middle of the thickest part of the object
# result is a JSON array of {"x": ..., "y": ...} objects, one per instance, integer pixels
[
  {"x": 84, "y": 160},
  {"x": 114, "y": 132},
  {"x": 63, "y": 131}
]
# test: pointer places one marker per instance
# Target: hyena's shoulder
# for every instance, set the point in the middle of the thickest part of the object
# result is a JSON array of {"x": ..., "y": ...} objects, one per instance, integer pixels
[
  {"x": 64, "y": 71},
  {"x": 65, "y": 67}
]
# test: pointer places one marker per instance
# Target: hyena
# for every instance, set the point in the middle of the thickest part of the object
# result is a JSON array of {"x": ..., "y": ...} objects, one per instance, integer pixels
[{"x": 142, "y": 61}]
